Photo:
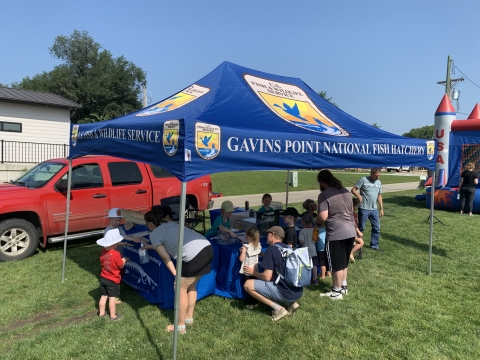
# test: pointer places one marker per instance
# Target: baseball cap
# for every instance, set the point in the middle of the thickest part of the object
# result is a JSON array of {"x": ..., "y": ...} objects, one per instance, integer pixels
[
  {"x": 290, "y": 211},
  {"x": 227, "y": 205},
  {"x": 114, "y": 213},
  {"x": 277, "y": 230}
]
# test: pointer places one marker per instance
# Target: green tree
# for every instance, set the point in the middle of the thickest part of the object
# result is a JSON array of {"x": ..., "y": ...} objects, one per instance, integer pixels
[
  {"x": 105, "y": 86},
  {"x": 323, "y": 94},
  {"x": 376, "y": 126},
  {"x": 425, "y": 132}
]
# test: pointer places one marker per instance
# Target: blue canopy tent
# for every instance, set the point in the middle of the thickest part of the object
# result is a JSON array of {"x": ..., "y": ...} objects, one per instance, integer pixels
[{"x": 236, "y": 118}]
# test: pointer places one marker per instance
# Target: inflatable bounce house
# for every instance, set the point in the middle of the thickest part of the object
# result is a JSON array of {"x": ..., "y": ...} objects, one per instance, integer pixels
[{"x": 458, "y": 144}]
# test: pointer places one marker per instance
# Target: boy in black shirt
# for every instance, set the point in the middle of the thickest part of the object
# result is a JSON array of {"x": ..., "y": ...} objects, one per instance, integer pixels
[{"x": 290, "y": 216}]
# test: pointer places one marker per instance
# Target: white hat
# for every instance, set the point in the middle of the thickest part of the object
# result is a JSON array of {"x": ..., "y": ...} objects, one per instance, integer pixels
[
  {"x": 114, "y": 213},
  {"x": 111, "y": 238}
]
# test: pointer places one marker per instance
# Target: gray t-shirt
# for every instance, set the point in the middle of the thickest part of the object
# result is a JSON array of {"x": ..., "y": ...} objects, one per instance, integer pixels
[
  {"x": 167, "y": 235},
  {"x": 369, "y": 190},
  {"x": 340, "y": 224}
]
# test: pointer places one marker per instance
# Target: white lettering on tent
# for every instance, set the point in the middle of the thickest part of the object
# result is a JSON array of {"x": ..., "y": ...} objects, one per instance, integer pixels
[
  {"x": 260, "y": 145},
  {"x": 250, "y": 145},
  {"x": 149, "y": 136}
]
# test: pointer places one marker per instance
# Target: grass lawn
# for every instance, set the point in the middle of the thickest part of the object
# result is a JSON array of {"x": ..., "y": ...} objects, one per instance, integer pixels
[
  {"x": 393, "y": 310},
  {"x": 260, "y": 182}
]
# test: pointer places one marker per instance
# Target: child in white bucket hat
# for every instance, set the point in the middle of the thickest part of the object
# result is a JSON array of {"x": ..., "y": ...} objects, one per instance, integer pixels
[
  {"x": 110, "y": 276},
  {"x": 115, "y": 217}
]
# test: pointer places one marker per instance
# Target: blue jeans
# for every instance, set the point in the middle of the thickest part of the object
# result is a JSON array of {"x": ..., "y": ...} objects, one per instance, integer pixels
[{"x": 371, "y": 215}]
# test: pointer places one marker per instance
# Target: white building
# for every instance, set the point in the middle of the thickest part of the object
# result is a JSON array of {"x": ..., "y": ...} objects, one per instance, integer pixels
[{"x": 34, "y": 126}]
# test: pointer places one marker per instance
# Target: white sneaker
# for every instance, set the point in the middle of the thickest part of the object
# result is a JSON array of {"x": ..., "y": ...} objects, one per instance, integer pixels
[{"x": 333, "y": 294}]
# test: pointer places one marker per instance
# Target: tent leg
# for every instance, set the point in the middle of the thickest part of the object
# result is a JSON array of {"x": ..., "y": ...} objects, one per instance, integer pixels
[
  {"x": 432, "y": 201},
  {"x": 67, "y": 216},
  {"x": 178, "y": 278},
  {"x": 286, "y": 190}
]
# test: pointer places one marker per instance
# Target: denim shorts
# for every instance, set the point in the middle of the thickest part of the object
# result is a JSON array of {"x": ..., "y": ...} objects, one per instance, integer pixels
[{"x": 270, "y": 290}]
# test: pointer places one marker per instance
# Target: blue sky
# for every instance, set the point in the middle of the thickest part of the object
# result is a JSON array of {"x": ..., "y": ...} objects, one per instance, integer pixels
[{"x": 379, "y": 60}]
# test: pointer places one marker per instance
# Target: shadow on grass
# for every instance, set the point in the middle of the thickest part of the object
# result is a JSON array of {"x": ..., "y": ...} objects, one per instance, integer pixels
[
  {"x": 424, "y": 247},
  {"x": 136, "y": 302},
  {"x": 85, "y": 254}
]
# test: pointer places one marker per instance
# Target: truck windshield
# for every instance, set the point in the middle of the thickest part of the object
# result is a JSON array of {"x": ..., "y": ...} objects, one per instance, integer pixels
[{"x": 39, "y": 175}]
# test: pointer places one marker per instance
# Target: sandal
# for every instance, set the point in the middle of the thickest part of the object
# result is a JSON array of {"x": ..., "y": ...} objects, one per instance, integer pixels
[
  {"x": 189, "y": 321},
  {"x": 181, "y": 329}
]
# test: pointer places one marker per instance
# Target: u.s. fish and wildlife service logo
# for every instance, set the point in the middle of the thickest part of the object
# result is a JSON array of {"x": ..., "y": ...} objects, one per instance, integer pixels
[
  {"x": 292, "y": 104},
  {"x": 74, "y": 135},
  {"x": 171, "y": 131},
  {"x": 430, "y": 149},
  {"x": 176, "y": 101},
  {"x": 207, "y": 140}
]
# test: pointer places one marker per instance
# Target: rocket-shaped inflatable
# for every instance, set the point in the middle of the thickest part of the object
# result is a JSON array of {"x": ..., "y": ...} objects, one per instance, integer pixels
[{"x": 444, "y": 116}]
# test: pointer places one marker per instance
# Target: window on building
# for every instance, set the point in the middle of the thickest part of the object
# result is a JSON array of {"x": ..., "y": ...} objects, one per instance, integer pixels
[{"x": 9, "y": 126}]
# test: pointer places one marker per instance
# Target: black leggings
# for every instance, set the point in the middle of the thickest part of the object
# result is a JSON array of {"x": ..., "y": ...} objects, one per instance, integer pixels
[{"x": 467, "y": 193}]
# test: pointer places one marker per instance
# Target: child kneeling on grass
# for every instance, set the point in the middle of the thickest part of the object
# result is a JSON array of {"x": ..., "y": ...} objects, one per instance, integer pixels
[{"x": 110, "y": 277}]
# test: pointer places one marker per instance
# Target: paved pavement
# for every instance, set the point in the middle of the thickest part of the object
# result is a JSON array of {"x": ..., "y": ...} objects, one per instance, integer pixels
[{"x": 299, "y": 196}]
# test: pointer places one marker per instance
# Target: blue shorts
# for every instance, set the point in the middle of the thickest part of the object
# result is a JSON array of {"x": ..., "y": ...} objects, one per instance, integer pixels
[{"x": 270, "y": 290}]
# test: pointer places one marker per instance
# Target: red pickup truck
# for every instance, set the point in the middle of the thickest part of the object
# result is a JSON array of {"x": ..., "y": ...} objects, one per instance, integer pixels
[{"x": 33, "y": 208}]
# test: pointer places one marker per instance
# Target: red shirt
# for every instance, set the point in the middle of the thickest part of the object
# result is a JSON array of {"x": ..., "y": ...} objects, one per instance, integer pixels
[
  {"x": 111, "y": 262},
  {"x": 355, "y": 216}
]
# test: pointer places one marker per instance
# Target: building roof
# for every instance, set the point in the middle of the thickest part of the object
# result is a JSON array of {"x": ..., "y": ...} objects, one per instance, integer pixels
[{"x": 36, "y": 98}]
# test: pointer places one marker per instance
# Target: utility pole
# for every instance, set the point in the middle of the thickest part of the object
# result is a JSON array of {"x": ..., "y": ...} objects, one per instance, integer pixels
[{"x": 448, "y": 81}]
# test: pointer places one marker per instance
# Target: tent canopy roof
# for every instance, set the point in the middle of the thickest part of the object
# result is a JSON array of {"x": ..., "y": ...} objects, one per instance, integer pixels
[{"x": 236, "y": 118}]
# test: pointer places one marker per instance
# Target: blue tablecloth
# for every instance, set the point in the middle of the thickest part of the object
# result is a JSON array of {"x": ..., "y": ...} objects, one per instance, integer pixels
[
  {"x": 154, "y": 282},
  {"x": 229, "y": 281}
]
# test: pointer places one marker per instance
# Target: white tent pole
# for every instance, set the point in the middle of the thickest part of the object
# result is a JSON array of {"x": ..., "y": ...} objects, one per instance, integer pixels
[
  {"x": 67, "y": 216},
  {"x": 178, "y": 278},
  {"x": 286, "y": 190},
  {"x": 432, "y": 203}
]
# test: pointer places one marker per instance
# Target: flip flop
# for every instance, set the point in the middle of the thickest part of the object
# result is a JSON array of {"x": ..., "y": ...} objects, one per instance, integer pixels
[{"x": 181, "y": 329}]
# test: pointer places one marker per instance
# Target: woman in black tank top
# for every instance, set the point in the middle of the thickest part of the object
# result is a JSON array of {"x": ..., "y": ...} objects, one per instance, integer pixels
[{"x": 467, "y": 187}]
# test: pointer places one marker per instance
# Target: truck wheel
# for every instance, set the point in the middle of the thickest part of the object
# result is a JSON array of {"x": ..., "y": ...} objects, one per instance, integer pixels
[
  {"x": 389, "y": 170},
  {"x": 398, "y": 170},
  {"x": 18, "y": 239}
]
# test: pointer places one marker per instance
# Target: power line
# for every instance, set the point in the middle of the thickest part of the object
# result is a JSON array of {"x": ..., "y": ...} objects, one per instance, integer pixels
[{"x": 455, "y": 67}]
